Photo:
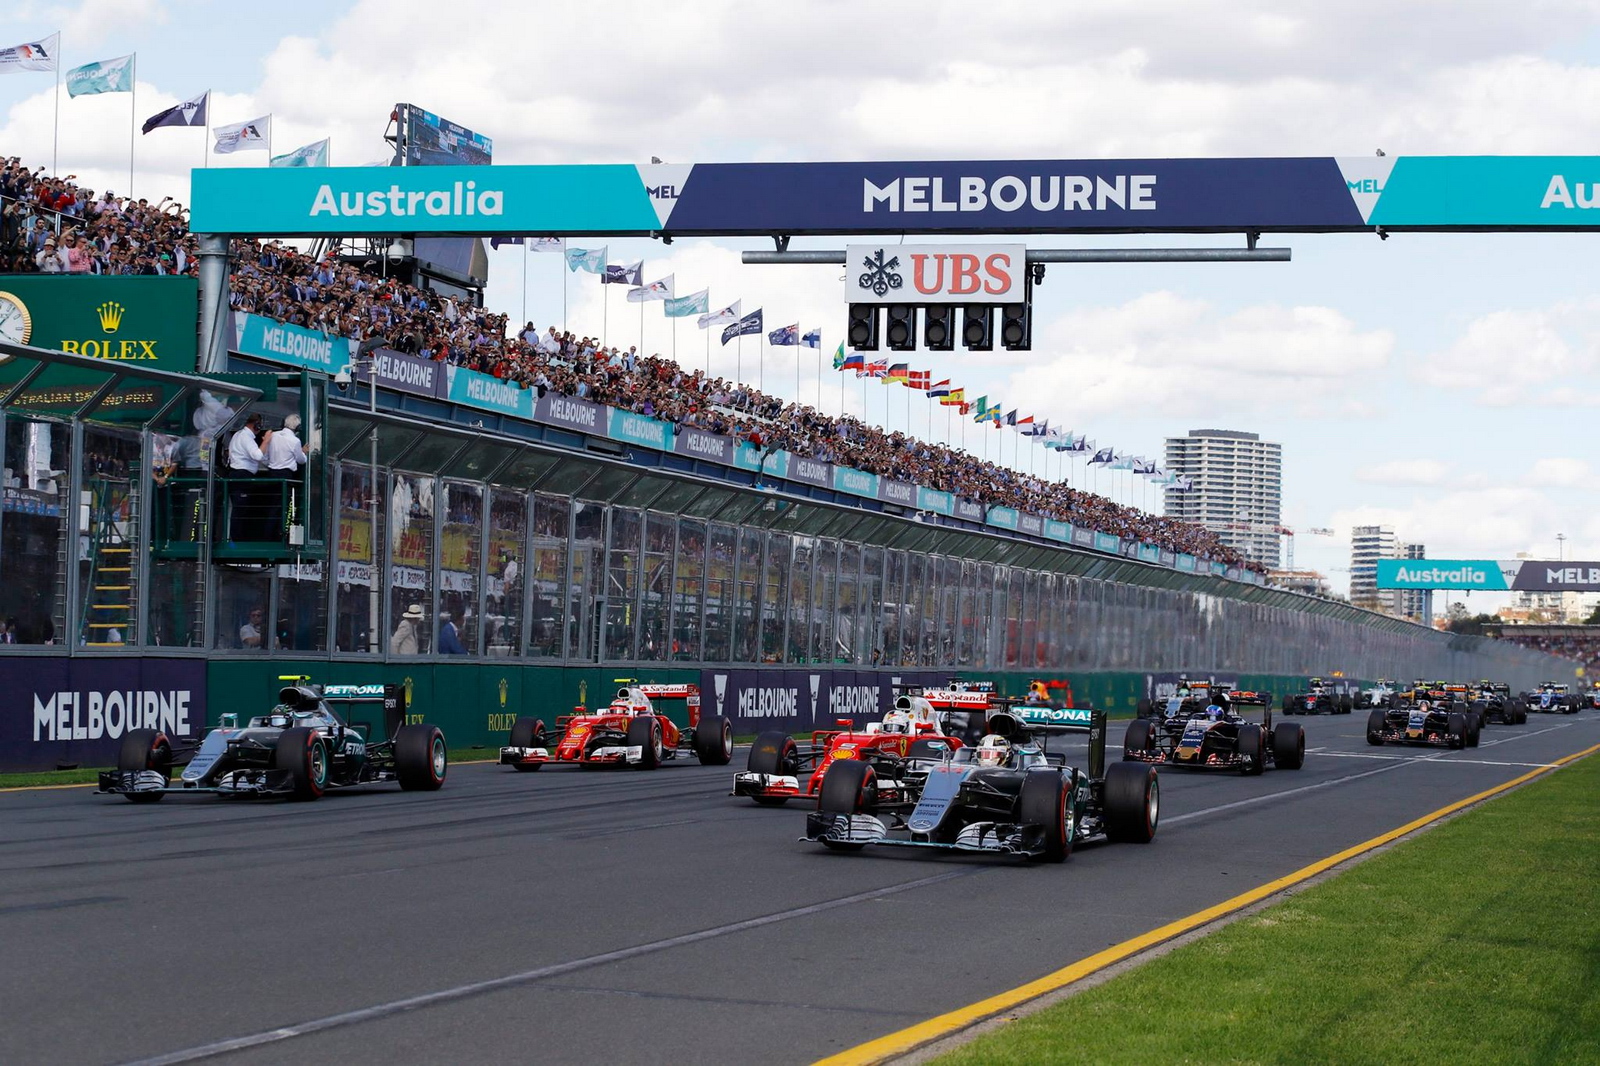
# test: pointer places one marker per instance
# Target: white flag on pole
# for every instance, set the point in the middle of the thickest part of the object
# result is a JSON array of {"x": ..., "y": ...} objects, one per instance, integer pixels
[
  {"x": 243, "y": 136},
  {"x": 656, "y": 290},
  {"x": 34, "y": 55}
]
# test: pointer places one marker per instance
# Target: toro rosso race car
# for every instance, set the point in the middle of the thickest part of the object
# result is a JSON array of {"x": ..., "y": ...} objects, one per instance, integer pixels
[
  {"x": 1423, "y": 722},
  {"x": 917, "y": 730},
  {"x": 1006, "y": 795},
  {"x": 300, "y": 749},
  {"x": 1216, "y": 737},
  {"x": 1551, "y": 697},
  {"x": 630, "y": 732},
  {"x": 1319, "y": 697}
]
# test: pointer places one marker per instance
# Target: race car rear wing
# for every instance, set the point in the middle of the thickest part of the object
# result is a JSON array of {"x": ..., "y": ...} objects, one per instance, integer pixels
[
  {"x": 1250, "y": 699},
  {"x": 393, "y": 697},
  {"x": 1044, "y": 722}
]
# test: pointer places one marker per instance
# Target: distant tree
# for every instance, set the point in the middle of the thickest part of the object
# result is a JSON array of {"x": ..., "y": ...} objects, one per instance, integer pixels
[
  {"x": 1469, "y": 625},
  {"x": 1594, "y": 617}
]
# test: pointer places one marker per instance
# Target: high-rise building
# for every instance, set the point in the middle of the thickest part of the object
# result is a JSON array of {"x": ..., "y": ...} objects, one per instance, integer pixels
[
  {"x": 1413, "y": 603},
  {"x": 1237, "y": 489},
  {"x": 1368, "y": 544}
]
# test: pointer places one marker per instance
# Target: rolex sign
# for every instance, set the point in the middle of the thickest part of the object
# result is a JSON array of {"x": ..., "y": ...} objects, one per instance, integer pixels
[{"x": 142, "y": 321}]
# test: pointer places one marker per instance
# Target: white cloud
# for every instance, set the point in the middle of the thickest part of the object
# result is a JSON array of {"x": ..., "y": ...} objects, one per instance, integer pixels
[
  {"x": 1514, "y": 357},
  {"x": 1560, "y": 472},
  {"x": 1405, "y": 472},
  {"x": 1166, "y": 354}
]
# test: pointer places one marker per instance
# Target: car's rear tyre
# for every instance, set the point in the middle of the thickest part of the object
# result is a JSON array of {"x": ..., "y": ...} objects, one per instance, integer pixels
[
  {"x": 1140, "y": 737},
  {"x": 527, "y": 733},
  {"x": 1252, "y": 743},
  {"x": 304, "y": 754},
  {"x": 1145, "y": 709},
  {"x": 1133, "y": 802},
  {"x": 644, "y": 732},
  {"x": 1343, "y": 706},
  {"x": 1456, "y": 729},
  {"x": 713, "y": 741},
  {"x": 1288, "y": 746},
  {"x": 421, "y": 759},
  {"x": 848, "y": 787},
  {"x": 1377, "y": 722},
  {"x": 775, "y": 753},
  {"x": 1043, "y": 801},
  {"x": 1474, "y": 731},
  {"x": 1288, "y": 704},
  {"x": 145, "y": 749}
]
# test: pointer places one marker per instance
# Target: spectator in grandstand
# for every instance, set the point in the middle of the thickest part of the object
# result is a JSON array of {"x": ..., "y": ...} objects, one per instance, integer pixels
[
  {"x": 407, "y": 633},
  {"x": 449, "y": 636},
  {"x": 250, "y": 632}
]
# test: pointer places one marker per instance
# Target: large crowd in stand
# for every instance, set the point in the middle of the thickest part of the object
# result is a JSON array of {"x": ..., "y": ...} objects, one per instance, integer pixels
[
  {"x": 54, "y": 226},
  {"x": 1581, "y": 648}
]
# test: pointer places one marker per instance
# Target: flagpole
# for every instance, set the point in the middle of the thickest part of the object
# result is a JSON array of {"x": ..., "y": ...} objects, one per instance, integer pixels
[
  {"x": 707, "y": 332},
  {"x": 738, "y": 369},
  {"x": 641, "y": 325},
  {"x": 524, "y": 282},
  {"x": 605, "y": 310},
  {"x": 205, "y": 145},
  {"x": 133, "y": 96},
  {"x": 819, "y": 373},
  {"x": 55, "y": 128}
]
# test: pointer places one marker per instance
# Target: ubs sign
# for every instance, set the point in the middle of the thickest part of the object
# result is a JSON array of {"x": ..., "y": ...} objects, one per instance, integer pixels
[{"x": 935, "y": 273}]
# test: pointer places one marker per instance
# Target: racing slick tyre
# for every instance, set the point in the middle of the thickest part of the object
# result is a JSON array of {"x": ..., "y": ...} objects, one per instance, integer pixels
[
  {"x": 1288, "y": 704},
  {"x": 1132, "y": 802},
  {"x": 304, "y": 754},
  {"x": 527, "y": 733},
  {"x": 1342, "y": 705},
  {"x": 1252, "y": 749},
  {"x": 848, "y": 787},
  {"x": 1288, "y": 746},
  {"x": 1377, "y": 721},
  {"x": 145, "y": 749},
  {"x": 1457, "y": 729},
  {"x": 713, "y": 741},
  {"x": 645, "y": 733},
  {"x": 420, "y": 757},
  {"x": 1146, "y": 709},
  {"x": 774, "y": 753},
  {"x": 1140, "y": 737},
  {"x": 1044, "y": 800},
  {"x": 1474, "y": 729}
]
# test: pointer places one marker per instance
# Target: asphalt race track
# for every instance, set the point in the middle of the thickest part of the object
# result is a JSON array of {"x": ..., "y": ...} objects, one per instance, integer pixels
[{"x": 634, "y": 917}]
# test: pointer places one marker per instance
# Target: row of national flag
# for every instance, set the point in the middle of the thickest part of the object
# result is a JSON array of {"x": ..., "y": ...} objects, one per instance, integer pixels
[
  {"x": 732, "y": 318},
  {"x": 117, "y": 76},
  {"x": 995, "y": 414}
]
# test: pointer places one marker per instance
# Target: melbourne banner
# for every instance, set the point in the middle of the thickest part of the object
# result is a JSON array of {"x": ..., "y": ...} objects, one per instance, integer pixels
[
  {"x": 63, "y": 712},
  {"x": 1304, "y": 194},
  {"x": 146, "y": 321}
]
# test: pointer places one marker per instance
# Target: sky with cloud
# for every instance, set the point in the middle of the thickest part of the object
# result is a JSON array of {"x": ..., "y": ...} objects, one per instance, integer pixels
[{"x": 1448, "y": 385}]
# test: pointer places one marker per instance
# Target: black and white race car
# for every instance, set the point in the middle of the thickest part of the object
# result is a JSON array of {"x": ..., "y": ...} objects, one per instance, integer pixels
[
  {"x": 1007, "y": 795},
  {"x": 299, "y": 749},
  {"x": 1319, "y": 697},
  {"x": 1494, "y": 703}
]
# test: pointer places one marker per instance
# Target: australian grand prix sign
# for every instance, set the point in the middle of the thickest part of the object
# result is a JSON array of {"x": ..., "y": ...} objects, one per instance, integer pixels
[
  {"x": 935, "y": 273},
  {"x": 1311, "y": 194}
]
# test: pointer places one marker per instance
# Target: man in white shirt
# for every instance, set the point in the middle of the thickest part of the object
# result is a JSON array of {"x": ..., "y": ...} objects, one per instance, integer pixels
[
  {"x": 284, "y": 452},
  {"x": 252, "y": 510}
]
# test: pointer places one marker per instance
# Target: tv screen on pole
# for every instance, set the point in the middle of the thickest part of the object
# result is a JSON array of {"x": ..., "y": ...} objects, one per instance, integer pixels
[{"x": 431, "y": 141}]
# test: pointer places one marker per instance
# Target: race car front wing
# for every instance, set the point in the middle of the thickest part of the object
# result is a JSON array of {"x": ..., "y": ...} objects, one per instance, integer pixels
[{"x": 232, "y": 783}]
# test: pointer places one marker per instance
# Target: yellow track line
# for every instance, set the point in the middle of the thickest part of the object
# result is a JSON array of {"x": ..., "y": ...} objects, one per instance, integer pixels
[
  {"x": 909, "y": 1039},
  {"x": 44, "y": 788}
]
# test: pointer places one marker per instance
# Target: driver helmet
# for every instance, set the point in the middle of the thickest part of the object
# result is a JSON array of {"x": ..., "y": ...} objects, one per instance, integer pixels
[
  {"x": 1424, "y": 705},
  {"x": 1213, "y": 711},
  {"x": 897, "y": 722},
  {"x": 993, "y": 750}
]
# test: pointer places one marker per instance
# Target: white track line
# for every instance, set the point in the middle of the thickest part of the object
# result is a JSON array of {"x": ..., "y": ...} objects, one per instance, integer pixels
[{"x": 432, "y": 999}]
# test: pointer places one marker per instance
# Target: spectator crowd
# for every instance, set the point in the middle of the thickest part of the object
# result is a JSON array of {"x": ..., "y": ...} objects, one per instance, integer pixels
[
  {"x": 54, "y": 226},
  {"x": 1582, "y": 648}
]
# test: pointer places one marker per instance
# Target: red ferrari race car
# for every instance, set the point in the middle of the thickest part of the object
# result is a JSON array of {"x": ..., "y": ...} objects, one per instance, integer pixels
[
  {"x": 925, "y": 724},
  {"x": 630, "y": 732}
]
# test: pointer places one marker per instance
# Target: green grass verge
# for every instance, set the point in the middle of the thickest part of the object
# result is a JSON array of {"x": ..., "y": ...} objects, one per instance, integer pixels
[{"x": 1477, "y": 942}]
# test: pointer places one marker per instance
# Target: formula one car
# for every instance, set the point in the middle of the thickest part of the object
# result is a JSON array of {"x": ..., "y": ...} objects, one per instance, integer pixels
[
  {"x": 1593, "y": 696},
  {"x": 1380, "y": 693},
  {"x": 300, "y": 749},
  {"x": 925, "y": 724},
  {"x": 1007, "y": 795},
  {"x": 1551, "y": 697},
  {"x": 631, "y": 732},
  {"x": 1218, "y": 738},
  {"x": 1423, "y": 723},
  {"x": 1319, "y": 697},
  {"x": 1494, "y": 703},
  {"x": 1188, "y": 697}
]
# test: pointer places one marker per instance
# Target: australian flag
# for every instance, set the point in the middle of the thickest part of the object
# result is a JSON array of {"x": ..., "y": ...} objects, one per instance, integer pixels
[
  {"x": 785, "y": 335},
  {"x": 750, "y": 323},
  {"x": 623, "y": 273}
]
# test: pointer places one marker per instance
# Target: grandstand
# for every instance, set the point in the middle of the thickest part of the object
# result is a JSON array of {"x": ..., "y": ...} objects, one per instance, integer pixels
[
  {"x": 55, "y": 226},
  {"x": 1580, "y": 644}
]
